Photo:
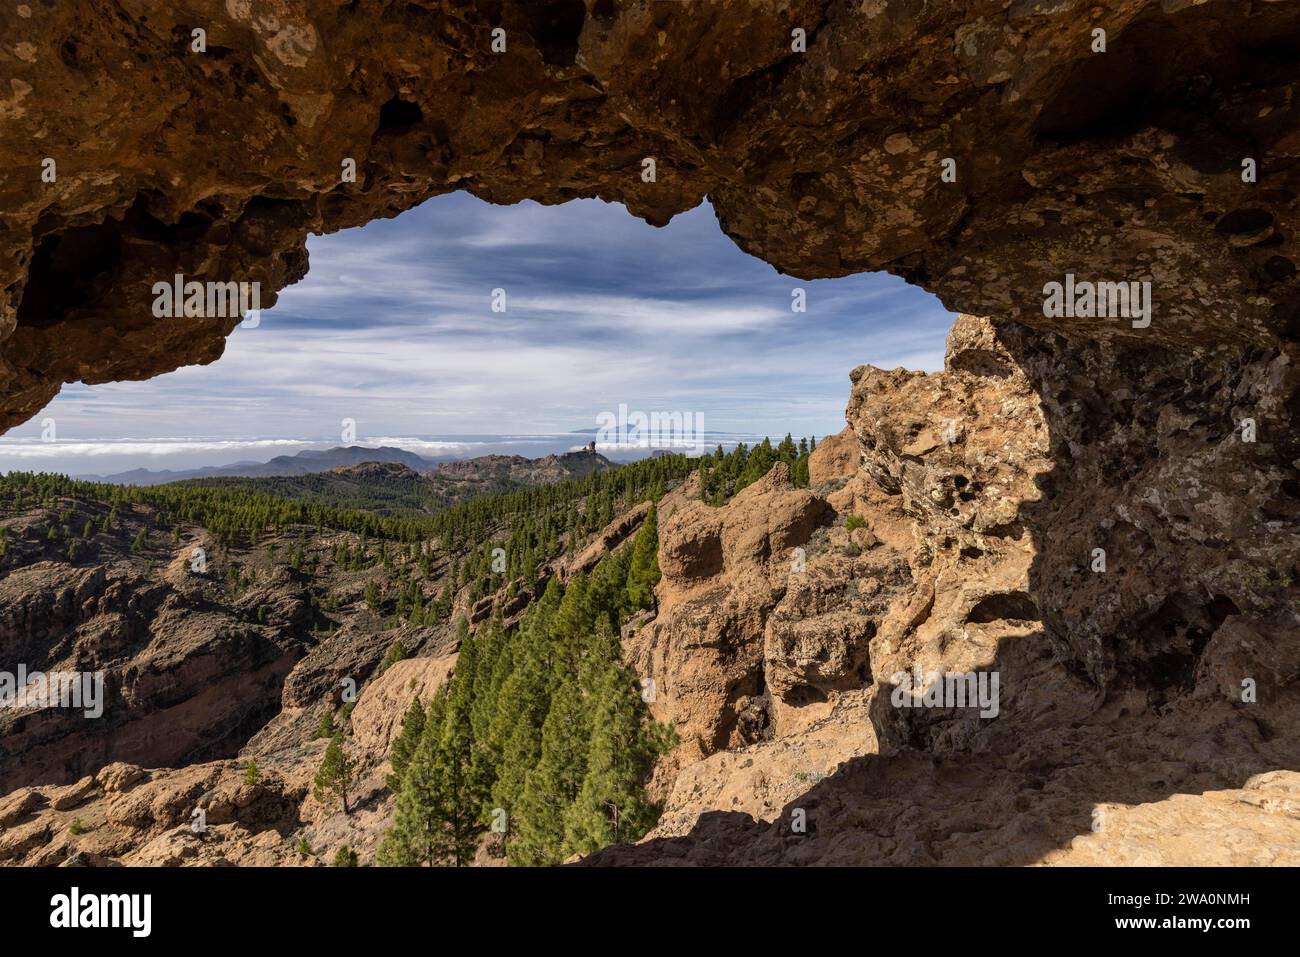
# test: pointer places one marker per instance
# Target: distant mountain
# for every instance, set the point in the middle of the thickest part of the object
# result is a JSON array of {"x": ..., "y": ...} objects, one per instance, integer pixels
[
  {"x": 307, "y": 462},
  {"x": 525, "y": 471},
  {"x": 393, "y": 487}
]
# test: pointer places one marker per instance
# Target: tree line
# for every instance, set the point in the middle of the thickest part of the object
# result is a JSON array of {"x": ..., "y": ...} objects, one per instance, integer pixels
[{"x": 542, "y": 735}]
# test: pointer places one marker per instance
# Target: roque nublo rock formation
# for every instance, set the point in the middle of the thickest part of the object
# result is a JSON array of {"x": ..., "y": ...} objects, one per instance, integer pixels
[{"x": 1163, "y": 150}]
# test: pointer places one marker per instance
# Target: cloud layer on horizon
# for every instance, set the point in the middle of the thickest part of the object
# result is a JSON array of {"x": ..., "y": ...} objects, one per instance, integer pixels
[{"x": 393, "y": 328}]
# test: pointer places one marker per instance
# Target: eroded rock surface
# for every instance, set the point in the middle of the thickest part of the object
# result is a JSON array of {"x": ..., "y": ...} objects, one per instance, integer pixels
[
  {"x": 1122, "y": 165},
  {"x": 1146, "y": 711}
]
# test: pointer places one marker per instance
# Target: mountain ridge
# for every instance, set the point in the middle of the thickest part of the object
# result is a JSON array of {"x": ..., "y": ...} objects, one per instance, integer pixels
[{"x": 306, "y": 462}]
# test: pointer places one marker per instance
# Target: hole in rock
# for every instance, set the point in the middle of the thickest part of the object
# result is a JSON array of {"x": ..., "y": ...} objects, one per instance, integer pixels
[
  {"x": 1012, "y": 606},
  {"x": 555, "y": 26},
  {"x": 398, "y": 114},
  {"x": 459, "y": 330},
  {"x": 1244, "y": 221}
]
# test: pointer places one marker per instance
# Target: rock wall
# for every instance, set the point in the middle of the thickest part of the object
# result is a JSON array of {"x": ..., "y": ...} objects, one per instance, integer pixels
[{"x": 1125, "y": 692}]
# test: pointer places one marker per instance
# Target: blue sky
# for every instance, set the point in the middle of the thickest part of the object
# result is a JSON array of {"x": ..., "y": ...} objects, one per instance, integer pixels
[{"x": 393, "y": 328}]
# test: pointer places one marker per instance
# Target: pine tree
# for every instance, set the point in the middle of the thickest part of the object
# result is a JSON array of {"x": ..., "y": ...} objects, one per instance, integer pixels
[
  {"x": 612, "y": 806},
  {"x": 569, "y": 629},
  {"x": 643, "y": 572},
  {"x": 515, "y": 732},
  {"x": 787, "y": 451},
  {"x": 250, "y": 776},
  {"x": 335, "y": 774},
  {"x": 490, "y": 649},
  {"x": 460, "y": 771},
  {"x": 437, "y": 816},
  {"x": 554, "y": 783},
  {"x": 607, "y": 595},
  {"x": 416, "y": 837},
  {"x": 405, "y": 743},
  {"x": 395, "y": 654},
  {"x": 345, "y": 857}
]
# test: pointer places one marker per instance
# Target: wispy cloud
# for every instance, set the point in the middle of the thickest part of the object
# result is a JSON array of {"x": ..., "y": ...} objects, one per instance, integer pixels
[{"x": 393, "y": 327}]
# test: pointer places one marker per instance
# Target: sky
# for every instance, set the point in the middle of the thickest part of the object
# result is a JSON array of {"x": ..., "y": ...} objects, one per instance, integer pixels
[{"x": 393, "y": 328}]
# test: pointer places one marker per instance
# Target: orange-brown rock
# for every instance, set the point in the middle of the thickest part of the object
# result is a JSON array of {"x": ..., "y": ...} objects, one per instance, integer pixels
[
  {"x": 1167, "y": 738},
  {"x": 836, "y": 457},
  {"x": 377, "y": 718},
  {"x": 1107, "y": 514},
  {"x": 1123, "y": 165},
  {"x": 724, "y": 570}
]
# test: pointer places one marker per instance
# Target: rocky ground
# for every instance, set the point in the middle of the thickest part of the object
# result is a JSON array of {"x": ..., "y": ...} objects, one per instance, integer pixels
[
  {"x": 205, "y": 675},
  {"x": 195, "y": 670},
  {"x": 1124, "y": 733}
]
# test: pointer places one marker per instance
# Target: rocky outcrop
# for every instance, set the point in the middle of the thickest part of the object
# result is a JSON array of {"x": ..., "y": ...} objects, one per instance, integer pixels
[
  {"x": 724, "y": 570},
  {"x": 505, "y": 469},
  {"x": 186, "y": 675},
  {"x": 377, "y": 718},
  {"x": 210, "y": 814},
  {"x": 620, "y": 530},
  {"x": 193, "y": 815},
  {"x": 836, "y": 457},
  {"x": 979, "y": 149},
  {"x": 1140, "y": 706}
]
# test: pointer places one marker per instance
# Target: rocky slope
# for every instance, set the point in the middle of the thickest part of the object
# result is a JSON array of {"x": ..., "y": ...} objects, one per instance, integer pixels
[
  {"x": 1125, "y": 731},
  {"x": 307, "y": 462},
  {"x": 1146, "y": 711},
  {"x": 492, "y": 471},
  {"x": 979, "y": 497},
  {"x": 392, "y": 487},
  {"x": 207, "y": 673},
  {"x": 197, "y": 667}
]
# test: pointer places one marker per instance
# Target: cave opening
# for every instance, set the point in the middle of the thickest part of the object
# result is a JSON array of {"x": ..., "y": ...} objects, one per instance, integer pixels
[{"x": 461, "y": 322}]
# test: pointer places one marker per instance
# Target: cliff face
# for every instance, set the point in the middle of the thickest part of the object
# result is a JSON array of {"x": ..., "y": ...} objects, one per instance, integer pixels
[
  {"x": 980, "y": 494},
  {"x": 203, "y": 673},
  {"x": 1122, "y": 165},
  {"x": 192, "y": 672}
]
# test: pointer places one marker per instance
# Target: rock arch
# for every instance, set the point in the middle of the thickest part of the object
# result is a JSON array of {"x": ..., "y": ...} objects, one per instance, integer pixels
[
  {"x": 1173, "y": 157},
  {"x": 1119, "y": 165}
]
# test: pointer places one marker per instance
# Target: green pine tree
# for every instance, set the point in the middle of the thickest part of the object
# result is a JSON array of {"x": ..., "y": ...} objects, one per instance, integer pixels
[
  {"x": 554, "y": 783},
  {"x": 460, "y": 769},
  {"x": 612, "y": 806},
  {"x": 515, "y": 732},
  {"x": 437, "y": 817},
  {"x": 345, "y": 857},
  {"x": 643, "y": 572},
  {"x": 405, "y": 743},
  {"x": 335, "y": 775},
  {"x": 416, "y": 837},
  {"x": 395, "y": 654}
]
